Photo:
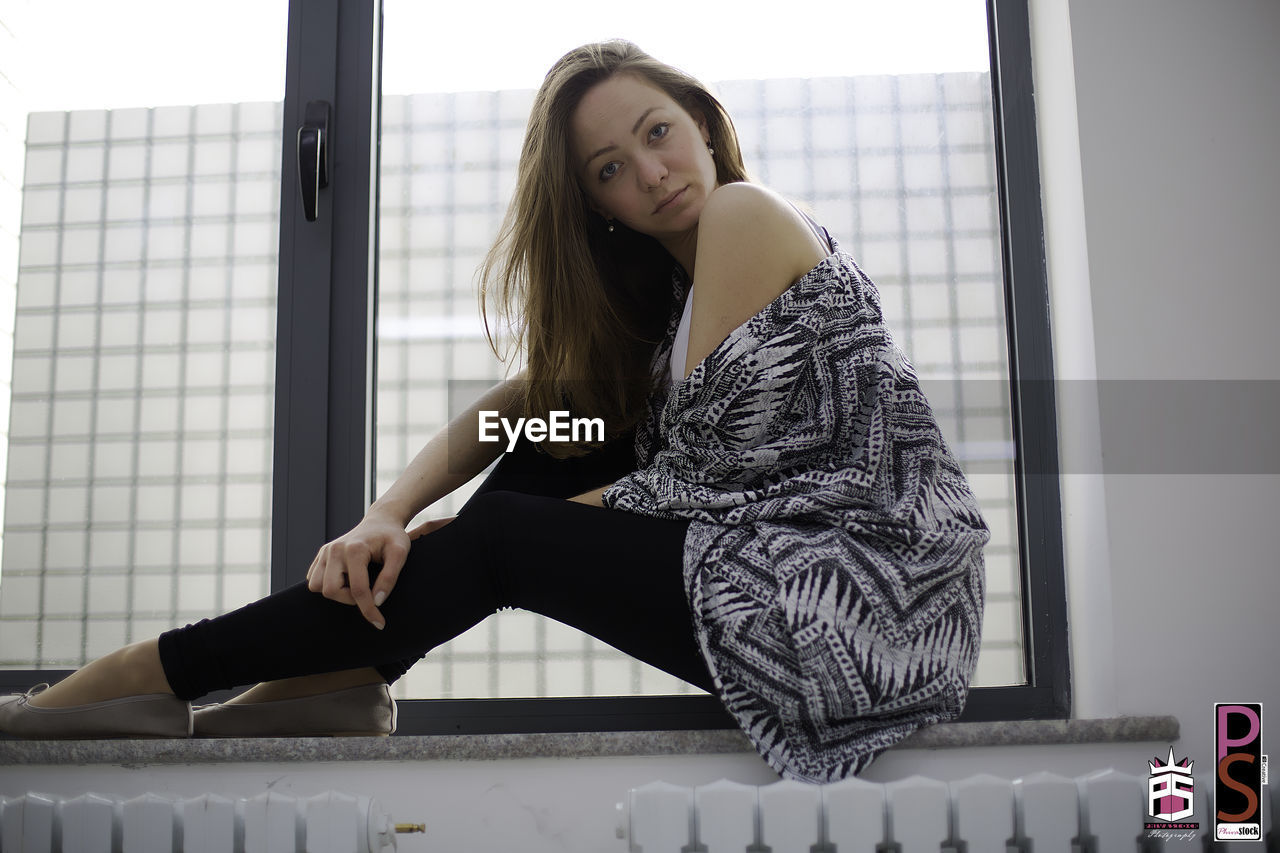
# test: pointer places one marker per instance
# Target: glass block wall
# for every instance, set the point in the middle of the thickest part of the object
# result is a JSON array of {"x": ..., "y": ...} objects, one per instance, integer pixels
[
  {"x": 901, "y": 171},
  {"x": 140, "y": 437},
  {"x": 143, "y": 360}
]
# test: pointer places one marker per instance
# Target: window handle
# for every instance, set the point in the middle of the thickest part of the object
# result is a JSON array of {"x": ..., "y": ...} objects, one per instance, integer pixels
[{"x": 313, "y": 156}]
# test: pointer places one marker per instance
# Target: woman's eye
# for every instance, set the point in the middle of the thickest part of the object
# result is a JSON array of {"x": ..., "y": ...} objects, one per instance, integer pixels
[
  {"x": 659, "y": 130},
  {"x": 609, "y": 170}
]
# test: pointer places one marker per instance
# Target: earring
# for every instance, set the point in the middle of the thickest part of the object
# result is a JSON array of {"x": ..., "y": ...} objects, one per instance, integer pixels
[
  {"x": 610, "y": 226},
  {"x": 710, "y": 150}
]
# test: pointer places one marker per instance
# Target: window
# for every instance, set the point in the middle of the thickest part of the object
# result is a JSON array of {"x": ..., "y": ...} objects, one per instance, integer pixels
[
  {"x": 139, "y": 421},
  {"x": 901, "y": 167},
  {"x": 143, "y": 381}
]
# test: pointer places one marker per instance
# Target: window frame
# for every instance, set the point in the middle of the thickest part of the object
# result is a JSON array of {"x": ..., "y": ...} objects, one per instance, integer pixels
[
  {"x": 324, "y": 334},
  {"x": 325, "y": 363},
  {"x": 1046, "y": 654},
  {"x": 1046, "y": 695}
]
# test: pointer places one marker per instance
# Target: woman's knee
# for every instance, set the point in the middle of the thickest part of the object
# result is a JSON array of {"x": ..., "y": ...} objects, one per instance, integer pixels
[
  {"x": 520, "y": 543},
  {"x": 491, "y": 507},
  {"x": 470, "y": 555}
]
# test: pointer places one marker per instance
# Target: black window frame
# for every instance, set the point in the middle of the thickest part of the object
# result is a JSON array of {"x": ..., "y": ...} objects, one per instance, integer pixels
[
  {"x": 1047, "y": 691},
  {"x": 322, "y": 479}
]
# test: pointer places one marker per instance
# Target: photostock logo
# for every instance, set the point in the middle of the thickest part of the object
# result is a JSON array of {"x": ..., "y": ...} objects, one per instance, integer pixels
[
  {"x": 1171, "y": 798},
  {"x": 1237, "y": 789}
]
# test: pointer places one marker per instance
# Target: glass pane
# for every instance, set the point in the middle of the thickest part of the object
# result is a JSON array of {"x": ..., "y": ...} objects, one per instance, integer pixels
[
  {"x": 878, "y": 118},
  {"x": 137, "y": 297}
]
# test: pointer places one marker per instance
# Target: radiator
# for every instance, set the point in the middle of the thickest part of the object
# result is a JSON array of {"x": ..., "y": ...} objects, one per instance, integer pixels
[
  {"x": 1043, "y": 813},
  {"x": 269, "y": 823}
]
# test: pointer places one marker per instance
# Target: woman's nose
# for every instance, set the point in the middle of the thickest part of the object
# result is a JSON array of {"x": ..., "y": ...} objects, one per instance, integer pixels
[{"x": 651, "y": 172}]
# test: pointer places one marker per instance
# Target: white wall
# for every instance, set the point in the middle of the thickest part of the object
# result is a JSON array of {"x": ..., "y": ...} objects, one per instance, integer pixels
[
  {"x": 13, "y": 128},
  {"x": 1163, "y": 260}
]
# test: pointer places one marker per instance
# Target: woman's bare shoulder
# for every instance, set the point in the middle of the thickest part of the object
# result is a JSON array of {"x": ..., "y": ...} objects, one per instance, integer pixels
[
  {"x": 753, "y": 242},
  {"x": 752, "y": 245},
  {"x": 755, "y": 224}
]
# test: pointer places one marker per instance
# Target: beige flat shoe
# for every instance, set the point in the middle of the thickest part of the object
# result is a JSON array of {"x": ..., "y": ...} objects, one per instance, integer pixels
[
  {"x": 156, "y": 715},
  {"x": 364, "y": 711}
]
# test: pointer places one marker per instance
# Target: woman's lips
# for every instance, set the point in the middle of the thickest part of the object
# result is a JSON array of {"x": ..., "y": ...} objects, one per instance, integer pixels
[{"x": 667, "y": 201}]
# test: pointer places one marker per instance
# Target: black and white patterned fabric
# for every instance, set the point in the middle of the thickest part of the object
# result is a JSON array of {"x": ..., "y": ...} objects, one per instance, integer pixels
[{"x": 834, "y": 559}]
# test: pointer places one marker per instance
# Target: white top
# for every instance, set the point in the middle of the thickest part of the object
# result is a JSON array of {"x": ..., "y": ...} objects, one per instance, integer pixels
[{"x": 680, "y": 346}]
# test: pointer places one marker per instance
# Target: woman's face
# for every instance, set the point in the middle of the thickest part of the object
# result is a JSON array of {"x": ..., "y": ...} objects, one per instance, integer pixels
[{"x": 641, "y": 158}]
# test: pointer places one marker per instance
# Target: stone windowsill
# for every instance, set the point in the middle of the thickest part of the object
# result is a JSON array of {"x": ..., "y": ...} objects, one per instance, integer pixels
[{"x": 575, "y": 745}]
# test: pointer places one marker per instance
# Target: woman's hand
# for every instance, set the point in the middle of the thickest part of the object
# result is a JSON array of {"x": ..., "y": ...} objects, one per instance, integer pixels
[
  {"x": 595, "y": 497},
  {"x": 429, "y": 526},
  {"x": 340, "y": 570}
]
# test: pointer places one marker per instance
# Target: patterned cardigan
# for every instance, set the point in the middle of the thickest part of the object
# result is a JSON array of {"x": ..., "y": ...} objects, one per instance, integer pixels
[{"x": 833, "y": 562}]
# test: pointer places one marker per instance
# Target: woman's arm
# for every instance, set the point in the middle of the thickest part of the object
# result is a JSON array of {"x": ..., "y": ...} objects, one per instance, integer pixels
[
  {"x": 591, "y": 498},
  {"x": 451, "y": 458}
]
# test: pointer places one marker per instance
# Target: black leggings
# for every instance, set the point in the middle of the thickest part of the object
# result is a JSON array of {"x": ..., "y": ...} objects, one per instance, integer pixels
[{"x": 516, "y": 543}]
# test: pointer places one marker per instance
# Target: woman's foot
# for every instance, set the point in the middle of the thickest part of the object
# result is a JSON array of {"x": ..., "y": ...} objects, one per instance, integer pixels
[
  {"x": 148, "y": 716},
  {"x": 123, "y": 694},
  {"x": 134, "y": 670},
  {"x": 365, "y": 709}
]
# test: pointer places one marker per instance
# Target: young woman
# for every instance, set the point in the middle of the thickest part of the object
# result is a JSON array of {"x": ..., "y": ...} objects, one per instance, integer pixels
[{"x": 772, "y": 515}]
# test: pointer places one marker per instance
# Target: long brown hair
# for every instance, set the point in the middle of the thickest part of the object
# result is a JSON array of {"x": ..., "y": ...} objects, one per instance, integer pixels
[{"x": 585, "y": 305}]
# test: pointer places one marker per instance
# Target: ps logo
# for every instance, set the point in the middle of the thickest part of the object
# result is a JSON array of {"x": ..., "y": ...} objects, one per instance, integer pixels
[
  {"x": 1238, "y": 778},
  {"x": 1171, "y": 789}
]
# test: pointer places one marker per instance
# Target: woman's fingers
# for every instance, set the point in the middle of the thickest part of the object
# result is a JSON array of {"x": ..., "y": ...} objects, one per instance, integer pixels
[
  {"x": 340, "y": 570},
  {"x": 328, "y": 576},
  {"x": 316, "y": 574},
  {"x": 333, "y": 578},
  {"x": 394, "y": 553},
  {"x": 358, "y": 587},
  {"x": 346, "y": 578},
  {"x": 312, "y": 572},
  {"x": 393, "y": 557}
]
